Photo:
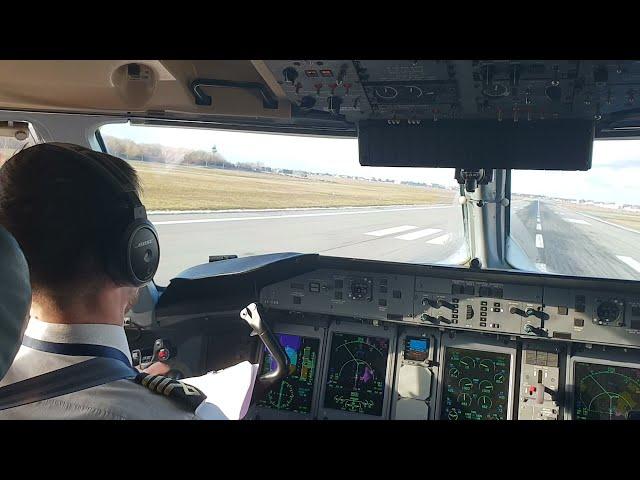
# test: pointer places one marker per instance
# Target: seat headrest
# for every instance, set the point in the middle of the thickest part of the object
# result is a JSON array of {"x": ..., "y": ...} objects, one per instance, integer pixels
[{"x": 15, "y": 298}]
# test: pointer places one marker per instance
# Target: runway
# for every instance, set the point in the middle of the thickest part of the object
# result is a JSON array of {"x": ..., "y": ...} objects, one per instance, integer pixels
[{"x": 554, "y": 238}]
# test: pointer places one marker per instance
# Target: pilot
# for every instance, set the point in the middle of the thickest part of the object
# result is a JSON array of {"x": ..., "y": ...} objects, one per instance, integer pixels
[{"x": 60, "y": 210}]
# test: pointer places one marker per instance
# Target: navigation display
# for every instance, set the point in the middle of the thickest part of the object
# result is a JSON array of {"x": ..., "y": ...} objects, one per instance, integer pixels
[
  {"x": 294, "y": 393},
  {"x": 605, "y": 392},
  {"x": 357, "y": 373},
  {"x": 476, "y": 385},
  {"x": 416, "y": 349}
]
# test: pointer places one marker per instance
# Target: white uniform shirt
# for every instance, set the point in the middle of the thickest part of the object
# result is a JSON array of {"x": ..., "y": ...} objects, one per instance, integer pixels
[{"x": 119, "y": 400}]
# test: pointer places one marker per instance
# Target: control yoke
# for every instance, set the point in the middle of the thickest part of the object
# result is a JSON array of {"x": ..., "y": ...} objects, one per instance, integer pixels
[{"x": 251, "y": 315}]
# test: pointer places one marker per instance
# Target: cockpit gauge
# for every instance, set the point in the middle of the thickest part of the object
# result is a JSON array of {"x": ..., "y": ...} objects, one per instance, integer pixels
[
  {"x": 464, "y": 399},
  {"x": 486, "y": 386},
  {"x": 357, "y": 373},
  {"x": 294, "y": 393},
  {"x": 487, "y": 365},
  {"x": 609, "y": 312},
  {"x": 467, "y": 363},
  {"x": 414, "y": 92},
  {"x": 483, "y": 390},
  {"x": 485, "y": 402},
  {"x": 386, "y": 93},
  {"x": 466, "y": 384},
  {"x": 605, "y": 392}
]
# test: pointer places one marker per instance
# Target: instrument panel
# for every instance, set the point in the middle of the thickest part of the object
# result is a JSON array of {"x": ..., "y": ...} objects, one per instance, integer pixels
[
  {"x": 415, "y": 91},
  {"x": 395, "y": 346}
]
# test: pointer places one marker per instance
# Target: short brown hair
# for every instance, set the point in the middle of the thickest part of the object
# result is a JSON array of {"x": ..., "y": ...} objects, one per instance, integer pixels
[{"x": 61, "y": 210}]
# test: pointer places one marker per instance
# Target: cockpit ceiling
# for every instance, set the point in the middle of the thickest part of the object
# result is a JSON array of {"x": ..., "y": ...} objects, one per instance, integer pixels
[
  {"x": 108, "y": 86},
  {"x": 333, "y": 93}
]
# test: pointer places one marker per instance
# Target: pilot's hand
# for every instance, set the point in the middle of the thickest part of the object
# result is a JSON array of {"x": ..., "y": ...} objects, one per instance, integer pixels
[{"x": 156, "y": 368}]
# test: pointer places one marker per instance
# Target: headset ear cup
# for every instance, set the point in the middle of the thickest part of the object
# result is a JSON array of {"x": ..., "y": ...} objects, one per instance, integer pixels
[{"x": 141, "y": 253}]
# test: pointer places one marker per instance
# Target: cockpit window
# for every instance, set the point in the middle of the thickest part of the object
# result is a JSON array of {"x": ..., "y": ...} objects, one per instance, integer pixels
[
  {"x": 582, "y": 223},
  {"x": 214, "y": 192},
  {"x": 14, "y": 136}
]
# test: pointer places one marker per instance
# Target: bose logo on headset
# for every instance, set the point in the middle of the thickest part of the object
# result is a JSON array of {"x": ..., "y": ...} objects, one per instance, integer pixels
[
  {"x": 125, "y": 262},
  {"x": 142, "y": 244}
]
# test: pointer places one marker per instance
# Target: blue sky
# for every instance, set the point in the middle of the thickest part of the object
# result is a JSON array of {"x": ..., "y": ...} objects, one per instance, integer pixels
[{"x": 615, "y": 176}]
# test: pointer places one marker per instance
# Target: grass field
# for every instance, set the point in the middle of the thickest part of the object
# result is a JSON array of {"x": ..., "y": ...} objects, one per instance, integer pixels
[
  {"x": 619, "y": 217},
  {"x": 197, "y": 188}
]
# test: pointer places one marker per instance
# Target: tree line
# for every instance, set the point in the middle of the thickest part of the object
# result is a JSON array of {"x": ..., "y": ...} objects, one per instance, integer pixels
[{"x": 155, "y": 152}]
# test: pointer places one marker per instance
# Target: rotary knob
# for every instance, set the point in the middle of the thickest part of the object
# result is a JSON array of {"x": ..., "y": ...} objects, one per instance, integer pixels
[{"x": 289, "y": 75}]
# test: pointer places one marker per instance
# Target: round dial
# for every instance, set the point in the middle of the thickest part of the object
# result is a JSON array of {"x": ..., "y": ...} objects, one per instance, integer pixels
[
  {"x": 386, "y": 93},
  {"x": 499, "y": 378},
  {"x": 485, "y": 402},
  {"x": 465, "y": 399},
  {"x": 487, "y": 365},
  {"x": 466, "y": 384},
  {"x": 454, "y": 372},
  {"x": 467, "y": 363},
  {"x": 414, "y": 92},
  {"x": 486, "y": 386},
  {"x": 453, "y": 414},
  {"x": 608, "y": 312},
  {"x": 496, "y": 90}
]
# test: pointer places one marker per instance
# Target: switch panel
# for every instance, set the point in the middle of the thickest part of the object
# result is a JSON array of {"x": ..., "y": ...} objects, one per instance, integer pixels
[{"x": 539, "y": 383}]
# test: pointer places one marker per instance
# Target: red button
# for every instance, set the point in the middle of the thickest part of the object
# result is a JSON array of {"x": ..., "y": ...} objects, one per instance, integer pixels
[{"x": 163, "y": 354}]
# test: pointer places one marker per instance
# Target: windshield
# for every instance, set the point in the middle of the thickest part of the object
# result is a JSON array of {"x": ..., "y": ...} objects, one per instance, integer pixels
[
  {"x": 582, "y": 223},
  {"x": 10, "y": 145},
  {"x": 213, "y": 192}
]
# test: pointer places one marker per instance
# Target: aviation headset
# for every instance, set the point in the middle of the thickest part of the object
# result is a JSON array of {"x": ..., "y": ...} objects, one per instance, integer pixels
[{"x": 132, "y": 253}]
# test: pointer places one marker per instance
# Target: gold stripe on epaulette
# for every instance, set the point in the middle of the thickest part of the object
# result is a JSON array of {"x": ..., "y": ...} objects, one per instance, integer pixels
[
  {"x": 145, "y": 380},
  {"x": 155, "y": 381},
  {"x": 162, "y": 384}
]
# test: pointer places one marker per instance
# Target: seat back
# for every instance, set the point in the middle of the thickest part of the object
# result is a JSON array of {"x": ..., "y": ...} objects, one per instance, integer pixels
[{"x": 15, "y": 298}]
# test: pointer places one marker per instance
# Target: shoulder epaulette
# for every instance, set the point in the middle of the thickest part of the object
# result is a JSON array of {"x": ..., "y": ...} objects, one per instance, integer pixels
[{"x": 187, "y": 396}]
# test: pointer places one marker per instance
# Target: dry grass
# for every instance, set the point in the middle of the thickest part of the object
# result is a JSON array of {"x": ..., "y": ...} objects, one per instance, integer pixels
[
  {"x": 619, "y": 217},
  {"x": 196, "y": 188}
]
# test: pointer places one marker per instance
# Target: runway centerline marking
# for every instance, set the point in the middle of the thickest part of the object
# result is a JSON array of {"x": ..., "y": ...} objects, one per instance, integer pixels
[
  {"x": 539, "y": 241},
  {"x": 419, "y": 234},
  {"x": 390, "y": 231},
  {"x": 297, "y": 215},
  {"x": 538, "y": 227},
  {"x": 542, "y": 267},
  {"x": 630, "y": 261}
]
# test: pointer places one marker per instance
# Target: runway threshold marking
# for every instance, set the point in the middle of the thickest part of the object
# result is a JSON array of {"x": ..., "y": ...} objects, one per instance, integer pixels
[
  {"x": 297, "y": 215},
  {"x": 392, "y": 230},
  {"x": 630, "y": 261},
  {"x": 575, "y": 220},
  {"x": 441, "y": 240},
  {"x": 419, "y": 234}
]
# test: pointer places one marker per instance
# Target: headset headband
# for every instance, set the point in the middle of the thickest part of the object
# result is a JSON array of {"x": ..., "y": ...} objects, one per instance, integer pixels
[{"x": 118, "y": 180}]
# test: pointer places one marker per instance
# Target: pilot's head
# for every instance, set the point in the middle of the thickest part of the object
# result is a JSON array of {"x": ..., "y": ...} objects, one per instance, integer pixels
[{"x": 63, "y": 213}]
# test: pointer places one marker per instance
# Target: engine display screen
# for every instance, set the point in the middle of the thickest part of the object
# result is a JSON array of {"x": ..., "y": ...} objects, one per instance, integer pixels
[
  {"x": 605, "y": 392},
  {"x": 357, "y": 373},
  {"x": 476, "y": 385},
  {"x": 416, "y": 349},
  {"x": 294, "y": 393}
]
